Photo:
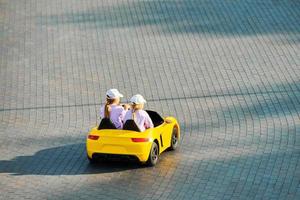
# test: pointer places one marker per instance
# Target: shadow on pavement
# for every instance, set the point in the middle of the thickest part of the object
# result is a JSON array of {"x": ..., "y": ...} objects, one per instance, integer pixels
[
  {"x": 63, "y": 160},
  {"x": 190, "y": 16}
]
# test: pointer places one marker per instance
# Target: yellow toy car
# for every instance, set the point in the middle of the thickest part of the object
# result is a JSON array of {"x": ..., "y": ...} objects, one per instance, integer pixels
[{"x": 105, "y": 140}]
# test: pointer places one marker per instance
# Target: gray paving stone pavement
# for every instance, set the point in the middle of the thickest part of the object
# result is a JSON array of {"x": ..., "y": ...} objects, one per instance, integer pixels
[{"x": 228, "y": 70}]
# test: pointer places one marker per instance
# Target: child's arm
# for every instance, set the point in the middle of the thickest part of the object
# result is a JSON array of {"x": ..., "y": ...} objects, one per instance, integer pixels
[{"x": 148, "y": 122}]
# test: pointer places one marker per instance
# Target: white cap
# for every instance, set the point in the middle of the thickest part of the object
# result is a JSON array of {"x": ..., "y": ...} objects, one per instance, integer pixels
[
  {"x": 113, "y": 93},
  {"x": 137, "y": 99}
]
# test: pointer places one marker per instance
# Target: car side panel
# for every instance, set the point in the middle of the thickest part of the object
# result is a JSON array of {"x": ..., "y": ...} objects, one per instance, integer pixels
[
  {"x": 169, "y": 129},
  {"x": 156, "y": 135},
  {"x": 163, "y": 135},
  {"x": 166, "y": 136}
]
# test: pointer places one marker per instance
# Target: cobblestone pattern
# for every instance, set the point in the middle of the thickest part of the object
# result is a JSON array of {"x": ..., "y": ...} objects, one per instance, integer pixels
[{"x": 228, "y": 70}]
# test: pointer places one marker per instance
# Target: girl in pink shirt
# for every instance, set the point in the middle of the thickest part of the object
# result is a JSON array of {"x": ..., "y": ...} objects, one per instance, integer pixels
[
  {"x": 141, "y": 117},
  {"x": 112, "y": 109}
]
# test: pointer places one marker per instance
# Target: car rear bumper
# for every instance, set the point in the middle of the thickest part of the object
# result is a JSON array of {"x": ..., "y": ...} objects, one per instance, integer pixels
[
  {"x": 116, "y": 157},
  {"x": 127, "y": 148}
]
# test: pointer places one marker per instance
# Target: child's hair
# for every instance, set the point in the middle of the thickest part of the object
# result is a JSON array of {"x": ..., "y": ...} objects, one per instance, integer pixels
[
  {"x": 135, "y": 107},
  {"x": 107, "y": 107}
]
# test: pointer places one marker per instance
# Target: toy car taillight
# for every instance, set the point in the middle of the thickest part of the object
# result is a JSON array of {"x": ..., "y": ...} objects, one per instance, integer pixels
[
  {"x": 93, "y": 137},
  {"x": 140, "y": 139}
]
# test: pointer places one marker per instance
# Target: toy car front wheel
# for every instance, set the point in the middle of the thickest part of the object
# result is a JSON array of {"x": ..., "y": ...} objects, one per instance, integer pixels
[
  {"x": 174, "y": 138},
  {"x": 153, "y": 155}
]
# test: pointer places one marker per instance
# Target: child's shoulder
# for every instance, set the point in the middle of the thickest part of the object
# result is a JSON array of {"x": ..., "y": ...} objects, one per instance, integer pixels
[
  {"x": 119, "y": 108},
  {"x": 143, "y": 112}
]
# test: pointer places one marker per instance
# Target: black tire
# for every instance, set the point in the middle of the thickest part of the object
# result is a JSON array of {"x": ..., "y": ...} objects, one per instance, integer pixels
[
  {"x": 153, "y": 155},
  {"x": 174, "y": 138}
]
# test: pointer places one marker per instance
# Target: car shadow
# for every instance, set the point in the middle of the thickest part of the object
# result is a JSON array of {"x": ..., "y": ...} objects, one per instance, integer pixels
[{"x": 64, "y": 160}]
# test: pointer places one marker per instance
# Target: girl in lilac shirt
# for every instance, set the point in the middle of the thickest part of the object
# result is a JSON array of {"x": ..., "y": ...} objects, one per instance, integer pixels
[{"x": 141, "y": 117}]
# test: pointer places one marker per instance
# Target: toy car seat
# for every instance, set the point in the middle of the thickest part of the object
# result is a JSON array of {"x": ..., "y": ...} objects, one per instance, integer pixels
[
  {"x": 106, "y": 123},
  {"x": 155, "y": 117},
  {"x": 131, "y": 125}
]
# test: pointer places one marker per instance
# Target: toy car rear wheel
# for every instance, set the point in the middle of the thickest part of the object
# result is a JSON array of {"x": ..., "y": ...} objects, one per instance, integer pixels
[
  {"x": 91, "y": 160},
  {"x": 153, "y": 155},
  {"x": 174, "y": 138}
]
